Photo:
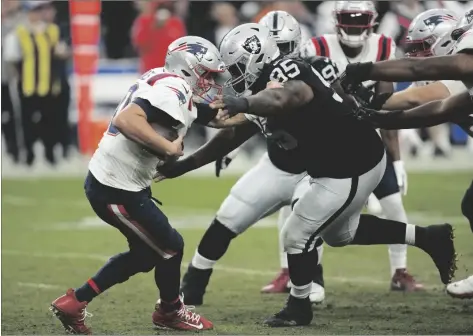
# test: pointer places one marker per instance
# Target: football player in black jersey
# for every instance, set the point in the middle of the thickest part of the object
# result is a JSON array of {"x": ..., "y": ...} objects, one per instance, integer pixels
[
  {"x": 268, "y": 186},
  {"x": 344, "y": 157}
]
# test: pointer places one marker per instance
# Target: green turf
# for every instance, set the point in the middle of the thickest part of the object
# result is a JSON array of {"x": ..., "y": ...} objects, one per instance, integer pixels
[{"x": 40, "y": 261}]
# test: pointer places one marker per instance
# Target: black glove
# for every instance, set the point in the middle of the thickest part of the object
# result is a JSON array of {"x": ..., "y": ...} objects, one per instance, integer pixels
[
  {"x": 176, "y": 169},
  {"x": 234, "y": 105},
  {"x": 377, "y": 118},
  {"x": 222, "y": 163},
  {"x": 467, "y": 124},
  {"x": 354, "y": 75}
]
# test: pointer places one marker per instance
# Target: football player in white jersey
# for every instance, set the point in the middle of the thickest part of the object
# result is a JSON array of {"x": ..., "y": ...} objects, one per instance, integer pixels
[
  {"x": 146, "y": 130},
  {"x": 458, "y": 108},
  {"x": 353, "y": 42}
]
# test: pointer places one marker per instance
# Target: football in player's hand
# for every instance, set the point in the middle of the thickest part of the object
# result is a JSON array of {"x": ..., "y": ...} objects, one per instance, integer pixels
[{"x": 170, "y": 134}]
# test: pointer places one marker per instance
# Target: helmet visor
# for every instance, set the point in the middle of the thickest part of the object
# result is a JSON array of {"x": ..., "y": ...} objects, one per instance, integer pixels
[
  {"x": 419, "y": 48},
  {"x": 237, "y": 71},
  {"x": 286, "y": 48},
  {"x": 354, "y": 23}
]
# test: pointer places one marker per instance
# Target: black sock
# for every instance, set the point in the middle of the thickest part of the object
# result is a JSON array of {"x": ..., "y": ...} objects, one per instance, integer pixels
[
  {"x": 118, "y": 269},
  {"x": 373, "y": 230},
  {"x": 167, "y": 275},
  {"x": 215, "y": 241},
  {"x": 467, "y": 205},
  {"x": 301, "y": 267}
]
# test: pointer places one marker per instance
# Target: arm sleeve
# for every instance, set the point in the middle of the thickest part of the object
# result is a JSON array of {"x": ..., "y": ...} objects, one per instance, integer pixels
[
  {"x": 154, "y": 114},
  {"x": 204, "y": 114}
]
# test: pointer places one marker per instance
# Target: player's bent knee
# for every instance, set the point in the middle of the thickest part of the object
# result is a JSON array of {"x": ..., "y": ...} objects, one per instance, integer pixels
[
  {"x": 238, "y": 215},
  {"x": 335, "y": 240},
  {"x": 293, "y": 241},
  {"x": 176, "y": 243}
]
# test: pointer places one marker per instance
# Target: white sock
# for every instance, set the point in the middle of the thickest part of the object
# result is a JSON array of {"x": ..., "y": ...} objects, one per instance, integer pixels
[
  {"x": 201, "y": 262},
  {"x": 283, "y": 215},
  {"x": 394, "y": 209},
  {"x": 410, "y": 234},
  {"x": 301, "y": 292}
]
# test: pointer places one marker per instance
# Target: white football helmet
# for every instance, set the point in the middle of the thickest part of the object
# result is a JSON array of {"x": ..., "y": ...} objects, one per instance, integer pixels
[
  {"x": 354, "y": 21},
  {"x": 285, "y": 29},
  {"x": 465, "y": 23},
  {"x": 198, "y": 62},
  {"x": 426, "y": 29},
  {"x": 245, "y": 50}
]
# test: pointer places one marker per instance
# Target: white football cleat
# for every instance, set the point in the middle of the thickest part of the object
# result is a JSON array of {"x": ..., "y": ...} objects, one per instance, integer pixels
[
  {"x": 462, "y": 289},
  {"x": 317, "y": 294}
]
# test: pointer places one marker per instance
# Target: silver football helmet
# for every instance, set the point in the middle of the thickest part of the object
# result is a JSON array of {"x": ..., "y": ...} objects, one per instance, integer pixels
[
  {"x": 465, "y": 23},
  {"x": 285, "y": 29},
  {"x": 245, "y": 50},
  {"x": 354, "y": 21},
  {"x": 198, "y": 62},
  {"x": 426, "y": 29}
]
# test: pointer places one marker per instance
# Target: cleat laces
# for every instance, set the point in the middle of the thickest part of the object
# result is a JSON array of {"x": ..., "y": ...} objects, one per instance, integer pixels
[{"x": 186, "y": 313}]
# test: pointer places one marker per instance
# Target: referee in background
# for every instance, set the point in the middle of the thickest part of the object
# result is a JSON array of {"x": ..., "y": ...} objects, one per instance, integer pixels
[{"x": 31, "y": 51}]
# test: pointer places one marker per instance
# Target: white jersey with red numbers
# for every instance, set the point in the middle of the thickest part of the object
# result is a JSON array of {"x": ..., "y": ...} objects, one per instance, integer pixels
[
  {"x": 123, "y": 164},
  {"x": 377, "y": 48}
]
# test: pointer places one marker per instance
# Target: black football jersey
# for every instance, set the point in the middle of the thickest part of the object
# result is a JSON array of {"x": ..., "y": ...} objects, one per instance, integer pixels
[{"x": 321, "y": 137}]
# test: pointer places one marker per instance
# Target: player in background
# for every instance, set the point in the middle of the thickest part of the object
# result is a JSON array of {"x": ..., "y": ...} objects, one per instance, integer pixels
[
  {"x": 356, "y": 42},
  {"x": 146, "y": 130},
  {"x": 458, "y": 108}
]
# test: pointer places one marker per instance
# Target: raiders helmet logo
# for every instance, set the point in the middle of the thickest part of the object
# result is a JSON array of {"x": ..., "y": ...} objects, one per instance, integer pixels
[{"x": 252, "y": 45}]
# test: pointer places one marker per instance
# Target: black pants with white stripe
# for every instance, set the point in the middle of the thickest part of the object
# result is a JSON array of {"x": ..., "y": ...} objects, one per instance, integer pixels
[
  {"x": 137, "y": 217},
  {"x": 331, "y": 210}
]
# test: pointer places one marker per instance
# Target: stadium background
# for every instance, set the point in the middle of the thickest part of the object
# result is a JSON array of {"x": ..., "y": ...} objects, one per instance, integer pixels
[{"x": 52, "y": 239}]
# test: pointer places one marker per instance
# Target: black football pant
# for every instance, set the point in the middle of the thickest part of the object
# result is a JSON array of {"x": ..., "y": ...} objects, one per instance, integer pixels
[
  {"x": 9, "y": 124},
  {"x": 39, "y": 121},
  {"x": 467, "y": 205}
]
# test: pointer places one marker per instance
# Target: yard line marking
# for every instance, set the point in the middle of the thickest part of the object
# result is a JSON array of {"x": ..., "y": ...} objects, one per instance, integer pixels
[
  {"x": 39, "y": 285},
  {"x": 227, "y": 269}
]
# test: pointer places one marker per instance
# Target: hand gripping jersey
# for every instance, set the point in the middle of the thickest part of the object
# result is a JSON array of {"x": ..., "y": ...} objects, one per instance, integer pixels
[
  {"x": 123, "y": 164},
  {"x": 321, "y": 136},
  {"x": 377, "y": 48}
]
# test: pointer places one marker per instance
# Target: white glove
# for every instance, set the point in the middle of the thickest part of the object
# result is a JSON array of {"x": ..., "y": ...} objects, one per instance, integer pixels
[{"x": 401, "y": 176}]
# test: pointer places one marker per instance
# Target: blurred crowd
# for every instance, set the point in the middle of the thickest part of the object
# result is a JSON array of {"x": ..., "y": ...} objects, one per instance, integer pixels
[{"x": 143, "y": 30}]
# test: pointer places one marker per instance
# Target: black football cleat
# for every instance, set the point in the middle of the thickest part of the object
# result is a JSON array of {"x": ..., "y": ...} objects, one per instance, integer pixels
[
  {"x": 194, "y": 284},
  {"x": 441, "y": 248},
  {"x": 296, "y": 312}
]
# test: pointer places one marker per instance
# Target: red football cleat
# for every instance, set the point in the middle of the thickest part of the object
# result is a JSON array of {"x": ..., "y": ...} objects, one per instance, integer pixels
[
  {"x": 180, "y": 319},
  {"x": 71, "y": 313},
  {"x": 403, "y": 281},
  {"x": 279, "y": 285}
]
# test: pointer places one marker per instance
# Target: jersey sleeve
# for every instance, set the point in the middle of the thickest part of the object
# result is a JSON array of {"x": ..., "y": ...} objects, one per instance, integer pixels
[
  {"x": 386, "y": 48},
  {"x": 308, "y": 49},
  {"x": 454, "y": 87},
  {"x": 325, "y": 66},
  {"x": 170, "y": 95}
]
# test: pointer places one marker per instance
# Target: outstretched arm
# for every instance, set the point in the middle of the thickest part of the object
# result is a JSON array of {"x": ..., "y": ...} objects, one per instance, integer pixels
[
  {"x": 268, "y": 102},
  {"x": 293, "y": 94},
  {"x": 225, "y": 141},
  {"x": 455, "y": 109},
  {"x": 452, "y": 67}
]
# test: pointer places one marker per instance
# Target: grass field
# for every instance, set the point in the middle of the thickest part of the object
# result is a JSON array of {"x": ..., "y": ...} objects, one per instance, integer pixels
[{"x": 52, "y": 241}]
